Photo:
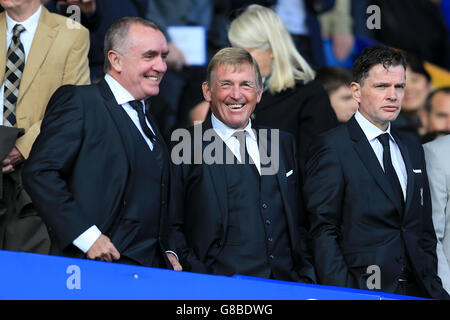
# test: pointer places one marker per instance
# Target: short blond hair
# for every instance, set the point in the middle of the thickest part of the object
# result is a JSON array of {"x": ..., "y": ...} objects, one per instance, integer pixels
[
  {"x": 260, "y": 27},
  {"x": 234, "y": 57}
]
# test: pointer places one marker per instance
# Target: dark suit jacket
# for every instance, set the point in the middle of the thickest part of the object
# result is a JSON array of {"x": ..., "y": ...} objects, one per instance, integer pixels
[
  {"x": 355, "y": 220},
  {"x": 304, "y": 110},
  {"x": 77, "y": 172},
  {"x": 200, "y": 225}
]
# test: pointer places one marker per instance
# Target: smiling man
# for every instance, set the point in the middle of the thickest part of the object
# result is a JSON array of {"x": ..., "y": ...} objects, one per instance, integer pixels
[
  {"x": 99, "y": 170},
  {"x": 367, "y": 194},
  {"x": 232, "y": 217}
]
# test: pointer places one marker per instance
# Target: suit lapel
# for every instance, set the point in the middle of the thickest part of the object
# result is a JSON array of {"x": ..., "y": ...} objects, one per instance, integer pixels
[
  {"x": 370, "y": 161},
  {"x": 218, "y": 177},
  {"x": 42, "y": 41}
]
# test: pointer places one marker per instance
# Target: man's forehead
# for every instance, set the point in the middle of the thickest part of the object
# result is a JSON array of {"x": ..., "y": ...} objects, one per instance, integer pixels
[{"x": 380, "y": 70}]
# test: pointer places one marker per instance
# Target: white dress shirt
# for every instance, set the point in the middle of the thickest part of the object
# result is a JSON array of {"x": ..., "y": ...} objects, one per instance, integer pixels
[
  {"x": 372, "y": 132},
  {"x": 26, "y": 37},
  {"x": 122, "y": 96},
  {"x": 232, "y": 142}
]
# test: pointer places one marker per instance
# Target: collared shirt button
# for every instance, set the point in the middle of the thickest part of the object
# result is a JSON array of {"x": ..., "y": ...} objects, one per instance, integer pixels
[
  {"x": 270, "y": 239},
  {"x": 268, "y": 222},
  {"x": 264, "y": 205}
]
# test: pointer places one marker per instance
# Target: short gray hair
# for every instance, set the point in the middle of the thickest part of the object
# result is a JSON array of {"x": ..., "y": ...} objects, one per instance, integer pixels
[
  {"x": 234, "y": 57},
  {"x": 117, "y": 35}
]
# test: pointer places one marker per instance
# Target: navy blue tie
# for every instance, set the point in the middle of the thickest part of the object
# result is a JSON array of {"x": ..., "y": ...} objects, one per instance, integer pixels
[{"x": 138, "y": 106}]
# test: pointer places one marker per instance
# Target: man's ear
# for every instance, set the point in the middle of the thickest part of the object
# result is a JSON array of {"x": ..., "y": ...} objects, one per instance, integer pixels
[
  {"x": 423, "y": 114},
  {"x": 206, "y": 92},
  {"x": 115, "y": 60},
  {"x": 356, "y": 91},
  {"x": 259, "y": 94}
]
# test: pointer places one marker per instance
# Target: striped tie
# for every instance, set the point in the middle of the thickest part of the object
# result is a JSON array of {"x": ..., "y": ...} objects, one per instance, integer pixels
[{"x": 15, "y": 63}]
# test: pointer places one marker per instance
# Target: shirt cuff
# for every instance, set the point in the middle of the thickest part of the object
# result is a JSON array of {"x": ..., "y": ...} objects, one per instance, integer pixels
[
  {"x": 170, "y": 251},
  {"x": 85, "y": 241}
]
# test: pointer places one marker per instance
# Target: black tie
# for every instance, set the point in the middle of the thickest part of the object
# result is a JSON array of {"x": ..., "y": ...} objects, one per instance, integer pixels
[
  {"x": 137, "y": 105},
  {"x": 388, "y": 167}
]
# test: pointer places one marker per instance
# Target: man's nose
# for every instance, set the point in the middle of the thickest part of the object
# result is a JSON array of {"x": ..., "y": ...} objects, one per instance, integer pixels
[
  {"x": 160, "y": 64},
  {"x": 236, "y": 92}
]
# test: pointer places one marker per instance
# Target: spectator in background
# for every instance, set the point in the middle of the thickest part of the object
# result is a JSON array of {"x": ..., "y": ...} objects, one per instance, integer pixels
[
  {"x": 181, "y": 85},
  {"x": 418, "y": 86},
  {"x": 292, "y": 101},
  {"x": 39, "y": 54},
  {"x": 336, "y": 26},
  {"x": 435, "y": 116},
  {"x": 336, "y": 81},
  {"x": 300, "y": 19},
  {"x": 437, "y": 155},
  {"x": 415, "y": 26}
]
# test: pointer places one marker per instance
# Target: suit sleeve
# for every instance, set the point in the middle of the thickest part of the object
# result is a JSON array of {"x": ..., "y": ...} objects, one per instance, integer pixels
[
  {"x": 438, "y": 190},
  {"x": 47, "y": 170},
  {"x": 323, "y": 191}
]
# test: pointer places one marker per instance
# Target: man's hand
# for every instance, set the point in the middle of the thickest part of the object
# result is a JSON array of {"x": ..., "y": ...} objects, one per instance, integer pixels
[
  {"x": 103, "y": 250},
  {"x": 13, "y": 159},
  {"x": 87, "y": 7},
  {"x": 175, "y": 59},
  {"x": 173, "y": 260}
]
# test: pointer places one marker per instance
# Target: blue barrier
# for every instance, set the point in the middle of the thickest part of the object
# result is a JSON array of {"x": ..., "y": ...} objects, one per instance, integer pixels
[{"x": 27, "y": 276}]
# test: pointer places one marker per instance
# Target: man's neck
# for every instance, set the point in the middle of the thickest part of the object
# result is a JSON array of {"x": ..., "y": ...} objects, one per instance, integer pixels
[{"x": 23, "y": 12}]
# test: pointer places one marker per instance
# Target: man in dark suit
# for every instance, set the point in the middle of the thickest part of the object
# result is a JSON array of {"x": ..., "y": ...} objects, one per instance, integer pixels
[
  {"x": 238, "y": 215},
  {"x": 367, "y": 193},
  {"x": 99, "y": 170}
]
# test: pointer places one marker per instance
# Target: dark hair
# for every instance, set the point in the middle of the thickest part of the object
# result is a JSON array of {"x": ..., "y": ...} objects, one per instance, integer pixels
[
  {"x": 373, "y": 55},
  {"x": 417, "y": 65},
  {"x": 430, "y": 96},
  {"x": 117, "y": 35},
  {"x": 332, "y": 78}
]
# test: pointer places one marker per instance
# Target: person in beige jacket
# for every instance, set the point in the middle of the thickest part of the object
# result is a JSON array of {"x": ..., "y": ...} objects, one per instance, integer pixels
[
  {"x": 437, "y": 154},
  {"x": 56, "y": 50}
]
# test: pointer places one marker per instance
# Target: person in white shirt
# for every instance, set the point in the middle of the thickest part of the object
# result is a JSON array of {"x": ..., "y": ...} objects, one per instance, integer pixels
[
  {"x": 239, "y": 209},
  {"x": 367, "y": 194},
  {"x": 41, "y": 51},
  {"x": 99, "y": 172}
]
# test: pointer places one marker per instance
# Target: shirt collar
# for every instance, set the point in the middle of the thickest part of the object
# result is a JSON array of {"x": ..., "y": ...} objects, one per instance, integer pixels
[
  {"x": 121, "y": 94},
  {"x": 30, "y": 24},
  {"x": 370, "y": 130},
  {"x": 225, "y": 132}
]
